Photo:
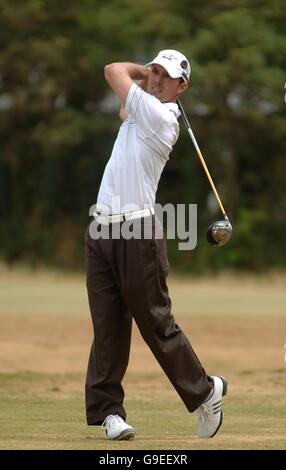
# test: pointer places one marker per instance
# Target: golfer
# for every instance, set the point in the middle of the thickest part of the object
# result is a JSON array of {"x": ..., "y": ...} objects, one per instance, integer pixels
[{"x": 126, "y": 277}]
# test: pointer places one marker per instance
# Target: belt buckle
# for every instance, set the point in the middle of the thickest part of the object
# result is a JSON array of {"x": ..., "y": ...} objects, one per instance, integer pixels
[{"x": 101, "y": 219}]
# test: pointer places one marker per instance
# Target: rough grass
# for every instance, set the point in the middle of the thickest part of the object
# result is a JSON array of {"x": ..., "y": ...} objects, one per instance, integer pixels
[
  {"x": 53, "y": 419},
  {"x": 237, "y": 327}
]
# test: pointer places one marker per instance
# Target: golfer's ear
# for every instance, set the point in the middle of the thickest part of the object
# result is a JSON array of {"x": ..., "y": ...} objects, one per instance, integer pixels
[{"x": 183, "y": 87}]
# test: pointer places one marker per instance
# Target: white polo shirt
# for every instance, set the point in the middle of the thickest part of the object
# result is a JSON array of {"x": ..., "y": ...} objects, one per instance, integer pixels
[{"x": 140, "y": 152}]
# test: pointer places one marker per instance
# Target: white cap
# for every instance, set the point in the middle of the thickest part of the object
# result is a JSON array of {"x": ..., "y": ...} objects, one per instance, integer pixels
[{"x": 174, "y": 62}]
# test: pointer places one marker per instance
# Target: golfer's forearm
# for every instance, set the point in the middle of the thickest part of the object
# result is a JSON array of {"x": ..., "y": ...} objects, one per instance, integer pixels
[
  {"x": 120, "y": 76},
  {"x": 134, "y": 71}
]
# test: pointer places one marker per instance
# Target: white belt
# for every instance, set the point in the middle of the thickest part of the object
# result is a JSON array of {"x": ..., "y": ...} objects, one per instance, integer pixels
[{"x": 111, "y": 219}]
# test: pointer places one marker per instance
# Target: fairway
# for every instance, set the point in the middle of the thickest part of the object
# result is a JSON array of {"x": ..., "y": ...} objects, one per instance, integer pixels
[{"x": 236, "y": 326}]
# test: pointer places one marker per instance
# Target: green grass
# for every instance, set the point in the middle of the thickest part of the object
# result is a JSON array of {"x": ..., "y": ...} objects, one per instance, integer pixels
[{"x": 52, "y": 419}]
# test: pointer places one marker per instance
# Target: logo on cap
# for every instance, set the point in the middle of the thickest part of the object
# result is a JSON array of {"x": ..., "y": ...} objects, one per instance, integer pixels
[
  {"x": 169, "y": 56},
  {"x": 184, "y": 64}
]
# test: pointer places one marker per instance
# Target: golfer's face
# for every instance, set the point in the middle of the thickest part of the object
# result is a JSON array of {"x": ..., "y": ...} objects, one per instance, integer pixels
[{"x": 161, "y": 85}]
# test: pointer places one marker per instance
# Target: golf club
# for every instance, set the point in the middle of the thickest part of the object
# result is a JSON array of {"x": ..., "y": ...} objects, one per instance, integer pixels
[{"x": 219, "y": 232}]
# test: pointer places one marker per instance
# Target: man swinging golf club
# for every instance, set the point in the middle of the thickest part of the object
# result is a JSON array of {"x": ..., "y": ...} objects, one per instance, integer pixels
[{"x": 126, "y": 278}]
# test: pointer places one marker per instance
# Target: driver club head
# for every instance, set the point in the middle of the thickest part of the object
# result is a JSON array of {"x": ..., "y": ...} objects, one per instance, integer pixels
[{"x": 219, "y": 232}]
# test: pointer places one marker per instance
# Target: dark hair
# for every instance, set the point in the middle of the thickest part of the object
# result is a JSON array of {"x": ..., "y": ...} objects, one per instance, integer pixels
[{"x": 182, "y": 80}]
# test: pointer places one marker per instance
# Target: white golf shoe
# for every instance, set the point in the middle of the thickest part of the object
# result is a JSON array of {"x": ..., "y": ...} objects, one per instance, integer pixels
[
  {"x": 210, "y": 413},
  {"x": 116, "y": 428}
]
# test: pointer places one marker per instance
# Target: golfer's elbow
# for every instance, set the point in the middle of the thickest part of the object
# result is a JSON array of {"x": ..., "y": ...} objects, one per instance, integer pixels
[{"x": 110, "y": 70}]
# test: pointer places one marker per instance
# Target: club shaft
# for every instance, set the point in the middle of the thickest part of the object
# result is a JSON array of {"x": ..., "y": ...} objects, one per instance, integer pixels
[{"x": 191, "y": 134}]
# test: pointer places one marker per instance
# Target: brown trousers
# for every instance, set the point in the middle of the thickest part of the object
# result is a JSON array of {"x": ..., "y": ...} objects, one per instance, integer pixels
[{"x": 127, "y": 279}]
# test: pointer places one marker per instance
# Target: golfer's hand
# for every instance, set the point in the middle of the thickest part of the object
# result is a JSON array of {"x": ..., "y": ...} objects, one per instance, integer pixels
[{"x": 143, "y": 83}]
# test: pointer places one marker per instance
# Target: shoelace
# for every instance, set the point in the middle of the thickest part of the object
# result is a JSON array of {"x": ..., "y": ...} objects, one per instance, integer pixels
[{"x": 111, "y": 420}]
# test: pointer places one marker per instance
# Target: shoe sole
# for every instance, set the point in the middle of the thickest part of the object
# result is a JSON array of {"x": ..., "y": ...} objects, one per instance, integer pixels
[
  {"x": 125, "y": 435},
  {"x": 224, "y": 392}
]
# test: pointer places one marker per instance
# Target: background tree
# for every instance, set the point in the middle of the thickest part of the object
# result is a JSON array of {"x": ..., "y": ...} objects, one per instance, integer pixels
[{"x": 58, "y": 121}]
